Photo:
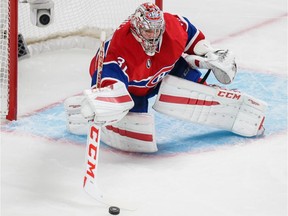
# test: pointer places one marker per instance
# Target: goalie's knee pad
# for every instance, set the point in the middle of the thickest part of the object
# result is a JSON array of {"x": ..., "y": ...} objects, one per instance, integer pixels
[{"x": 213, "y": 106}]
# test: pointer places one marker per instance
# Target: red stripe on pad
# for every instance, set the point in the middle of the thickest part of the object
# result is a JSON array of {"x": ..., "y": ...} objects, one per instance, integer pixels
[
  {"x": 185, "y": 100},
  {"x": 120, "y": 99},
  {"x": 131, "y": 134}
]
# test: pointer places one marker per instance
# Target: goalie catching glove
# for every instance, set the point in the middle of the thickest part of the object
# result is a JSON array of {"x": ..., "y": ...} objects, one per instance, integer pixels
[{"x": 221, "y": 62}]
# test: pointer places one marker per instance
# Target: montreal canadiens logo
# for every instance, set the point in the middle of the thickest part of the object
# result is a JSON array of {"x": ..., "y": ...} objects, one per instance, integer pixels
[{"x": 159, "y": 76}]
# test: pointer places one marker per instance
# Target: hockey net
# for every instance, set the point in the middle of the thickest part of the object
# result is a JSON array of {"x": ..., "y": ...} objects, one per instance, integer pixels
[{"x": 72, "y": 19}]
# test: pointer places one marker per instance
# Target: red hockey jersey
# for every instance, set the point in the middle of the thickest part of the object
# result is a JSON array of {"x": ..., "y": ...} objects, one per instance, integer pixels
[{"x": 126, "y": 61}]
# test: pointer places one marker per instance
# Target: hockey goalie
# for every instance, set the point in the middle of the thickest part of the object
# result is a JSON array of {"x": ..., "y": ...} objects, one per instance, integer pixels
[{"x": 156, "y": 54}]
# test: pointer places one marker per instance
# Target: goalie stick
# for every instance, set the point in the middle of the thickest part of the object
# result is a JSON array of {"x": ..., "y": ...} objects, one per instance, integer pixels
[
  {"x": 90, "y": 184},
  {"x": 100, "y": 58},
  {"x": 203, "y": 80}
]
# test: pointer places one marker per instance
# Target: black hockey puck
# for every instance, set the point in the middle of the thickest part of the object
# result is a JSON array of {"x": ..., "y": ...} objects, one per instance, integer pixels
[{"x": 113, "y": 210}]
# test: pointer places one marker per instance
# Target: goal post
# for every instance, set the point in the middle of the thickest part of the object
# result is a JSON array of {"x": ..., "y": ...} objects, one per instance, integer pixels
[
  {"x": 8, "y": 58},
  {"x": 70, "y": 18},
  {"x": 159, "y": 3}
]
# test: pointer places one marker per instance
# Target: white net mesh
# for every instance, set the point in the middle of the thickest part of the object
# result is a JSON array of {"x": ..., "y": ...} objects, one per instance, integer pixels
[
  {"x": 75, "y": 17},
  {"x": 71, "y": 18},
  {"x": 4, "y": 54}
]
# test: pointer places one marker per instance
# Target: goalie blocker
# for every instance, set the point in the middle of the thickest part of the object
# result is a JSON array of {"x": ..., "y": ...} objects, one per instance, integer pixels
[{"x": 211, "y": 105}]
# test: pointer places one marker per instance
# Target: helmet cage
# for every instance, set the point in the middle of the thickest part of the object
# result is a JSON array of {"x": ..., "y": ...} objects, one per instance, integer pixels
[{"x": 148, "y": 26}]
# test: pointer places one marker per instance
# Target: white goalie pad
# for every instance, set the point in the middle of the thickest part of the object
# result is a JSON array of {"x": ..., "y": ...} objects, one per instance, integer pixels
[
  {"x": 134, "y": 133},
  {"x": 214, "y": 106}
]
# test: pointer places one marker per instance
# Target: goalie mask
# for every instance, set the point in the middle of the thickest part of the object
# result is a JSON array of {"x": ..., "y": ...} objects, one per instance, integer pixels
[{"x": 148, "y": 26}]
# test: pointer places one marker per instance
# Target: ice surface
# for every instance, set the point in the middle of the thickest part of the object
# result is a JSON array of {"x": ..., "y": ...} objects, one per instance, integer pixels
[{"x": 197, "y": 171}]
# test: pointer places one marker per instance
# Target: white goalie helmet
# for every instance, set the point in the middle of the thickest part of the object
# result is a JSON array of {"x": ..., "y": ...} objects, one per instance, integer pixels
[{"x": 148, "y": 26}]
